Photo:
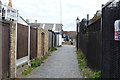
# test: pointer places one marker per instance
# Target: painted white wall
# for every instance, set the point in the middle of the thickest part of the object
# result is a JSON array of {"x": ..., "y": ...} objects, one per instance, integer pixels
[
  {"x": 63, "y": 40},
  {"x": 54, "y": 27},
  {"x": 43, "y": 26},
  {"x": 10, "y": 13},
  {"x": 59, "y": 40}
]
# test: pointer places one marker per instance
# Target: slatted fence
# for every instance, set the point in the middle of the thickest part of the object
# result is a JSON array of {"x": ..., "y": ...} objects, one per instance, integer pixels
[
  {"x": 33, "y": 43},
  {"x": 5, "y": 29},
  {"x": 97, "y": 42},
  {"x": 22, "y": 45}
]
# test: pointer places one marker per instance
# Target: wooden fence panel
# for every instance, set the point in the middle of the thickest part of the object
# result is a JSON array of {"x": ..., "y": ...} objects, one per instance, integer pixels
[
  {"x": 33, "y": 43},
  {"x": 0, "y": 50},
  {"x": 22, "y": 44},
  {"x": 5, "y": 49}
]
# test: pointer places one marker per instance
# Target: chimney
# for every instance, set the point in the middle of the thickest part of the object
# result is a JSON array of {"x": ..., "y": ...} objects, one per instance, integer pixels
[
  {"x": 0, "y": 2},
  {"x": 10, "y": 3}
]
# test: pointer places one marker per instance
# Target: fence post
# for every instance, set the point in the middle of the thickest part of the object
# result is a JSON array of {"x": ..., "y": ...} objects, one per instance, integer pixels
[
  {"x": 0, "y": 45},
  {"x": 16, "y": 44},
  {"x": 0, "y": 51},
  {"x": 29, "y": 44},
  {"x": 77, "y": 25}
]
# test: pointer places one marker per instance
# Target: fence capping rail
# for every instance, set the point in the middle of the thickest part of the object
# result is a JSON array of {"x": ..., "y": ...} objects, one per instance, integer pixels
[{"x": 108, "y": 3}]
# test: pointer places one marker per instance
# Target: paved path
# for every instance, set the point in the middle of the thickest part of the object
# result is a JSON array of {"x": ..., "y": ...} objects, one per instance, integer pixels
[{"x": 61, "y": 64}]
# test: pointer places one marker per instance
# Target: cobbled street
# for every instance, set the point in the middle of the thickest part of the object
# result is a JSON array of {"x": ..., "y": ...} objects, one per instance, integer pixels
[{"x": 61, "y": 64}]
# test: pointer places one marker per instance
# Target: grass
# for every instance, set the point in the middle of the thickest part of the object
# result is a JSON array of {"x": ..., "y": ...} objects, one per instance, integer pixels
[
  {"x": 37, "y": 62},
  {"x": 27, "y": 71},
  {"x": 53, "y": 49},
  {"x": 86, "y": 71},
  {"x": 48, "y": 54},
  {"x": 34, "y": 63}
]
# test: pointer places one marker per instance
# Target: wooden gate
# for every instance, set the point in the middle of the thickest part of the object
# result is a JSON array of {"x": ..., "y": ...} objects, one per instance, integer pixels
[
  {"x": 42, "y": 43},
  {"x": 22, "y": 41},
  {"x": 33, "y": 43},
  {"x": 5, "y": 49}
]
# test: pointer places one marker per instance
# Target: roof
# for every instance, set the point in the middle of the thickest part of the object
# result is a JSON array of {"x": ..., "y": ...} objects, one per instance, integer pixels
[
  {"x": 65, "y": 32},
  {"x": 58, "y": 27},
  {"x": 48, "y": 26},
  {"x": 36, "y": 25},
  {"x": 22, "y": 21},
  {"x": 72, "y": 33}
]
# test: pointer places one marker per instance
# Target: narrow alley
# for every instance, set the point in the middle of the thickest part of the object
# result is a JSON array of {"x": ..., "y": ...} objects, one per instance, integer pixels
[
  {"x": 61, "y": 64},
  {"x": 31, "y": 33}
]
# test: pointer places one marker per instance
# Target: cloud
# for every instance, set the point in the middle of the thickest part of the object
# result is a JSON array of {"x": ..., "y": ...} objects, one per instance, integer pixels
[{"x": 48, "y": 11}]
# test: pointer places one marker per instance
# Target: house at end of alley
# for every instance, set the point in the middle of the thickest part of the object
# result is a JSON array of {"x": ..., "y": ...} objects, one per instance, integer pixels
[{"x": 55, "y": 32}]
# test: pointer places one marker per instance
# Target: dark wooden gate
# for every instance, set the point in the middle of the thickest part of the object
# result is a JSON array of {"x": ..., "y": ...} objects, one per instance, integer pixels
[
  {"x": 42, "y": 42},
  {"x": 33, "y": 43},
  {"x": 22, "y": 44},
  {"x": 5, "y": 49}
]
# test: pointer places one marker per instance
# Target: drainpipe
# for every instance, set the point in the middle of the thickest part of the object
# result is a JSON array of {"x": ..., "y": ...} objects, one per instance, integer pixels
[
  {"x": 29, "y": 44},
  {"x": 16, "y": 44}
]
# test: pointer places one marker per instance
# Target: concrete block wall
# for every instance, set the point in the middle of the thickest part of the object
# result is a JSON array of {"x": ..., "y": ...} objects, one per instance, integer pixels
[
  {"x": 12, "y": 49},
  {"x": 13, "y": 46},
  {"x": 46, "y": 41},
  {"x": 40, "y": 31}
]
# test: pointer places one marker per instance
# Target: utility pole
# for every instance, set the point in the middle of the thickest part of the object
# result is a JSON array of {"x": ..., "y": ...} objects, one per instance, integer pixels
[
  {"x": 58, "y": 36},
  {"x": 61, "y": 11}
]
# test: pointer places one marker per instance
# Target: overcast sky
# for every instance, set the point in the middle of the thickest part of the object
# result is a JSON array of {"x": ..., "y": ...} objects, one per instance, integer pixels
[{"x": 48, "y": 11}]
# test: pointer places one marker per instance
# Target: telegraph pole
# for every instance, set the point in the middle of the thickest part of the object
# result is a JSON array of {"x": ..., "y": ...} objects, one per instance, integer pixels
[
  {"x": 58, "y": 37},
  {"x": 61, "y": 11}
]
